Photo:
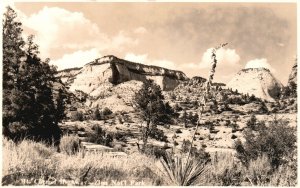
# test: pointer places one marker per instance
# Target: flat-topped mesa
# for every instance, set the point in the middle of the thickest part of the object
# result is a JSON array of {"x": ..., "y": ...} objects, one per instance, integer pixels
[
  {"x": 147, "y": 70},
  {"x": 110, "y": 69}
]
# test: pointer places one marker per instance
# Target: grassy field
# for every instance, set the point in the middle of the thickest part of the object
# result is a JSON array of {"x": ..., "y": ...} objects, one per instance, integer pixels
[{"x": 31, "y": 163}]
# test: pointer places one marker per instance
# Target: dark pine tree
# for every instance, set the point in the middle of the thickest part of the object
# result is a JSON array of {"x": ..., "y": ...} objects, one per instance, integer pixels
[
  {"x": 149, "y": 101},
  {"x": 29, "y": 106},
  {"x": 12, "y": 56}
]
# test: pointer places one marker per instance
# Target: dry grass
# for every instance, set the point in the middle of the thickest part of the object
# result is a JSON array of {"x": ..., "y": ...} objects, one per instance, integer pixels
[
  {"x": 285, "y": 176},
  {"x": 259, "y": 171},
  {"x": 223, "y": 170},
  {"x": 30, "y": 160},
  {"x": 27, "y": 159},
  {"x": 69, "y": 144}
]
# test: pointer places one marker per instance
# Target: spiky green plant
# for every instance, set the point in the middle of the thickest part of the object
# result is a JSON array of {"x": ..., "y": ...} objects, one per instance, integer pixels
[{"x": 182, "y": 172}]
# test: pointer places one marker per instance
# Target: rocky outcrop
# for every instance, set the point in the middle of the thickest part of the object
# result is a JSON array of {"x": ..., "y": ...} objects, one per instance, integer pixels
[
  {"x": 67, "y": 75},
  {"x": 198, "y": 80},
  {"x": 257, "y": 81},
  {"x": 110, "y": 69}
]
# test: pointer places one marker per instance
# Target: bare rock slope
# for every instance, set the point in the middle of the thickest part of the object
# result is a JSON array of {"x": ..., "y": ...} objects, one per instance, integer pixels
[{"x": 257, "y": 81}]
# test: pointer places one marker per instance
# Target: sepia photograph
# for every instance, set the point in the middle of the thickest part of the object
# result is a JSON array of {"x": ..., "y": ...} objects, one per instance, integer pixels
[{"x": 149, "y": 93}]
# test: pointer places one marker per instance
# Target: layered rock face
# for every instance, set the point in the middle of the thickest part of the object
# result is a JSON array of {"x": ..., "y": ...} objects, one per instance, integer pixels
[
  {"x": 257, "y": 81},
  {"x": 110, "y": 69}
]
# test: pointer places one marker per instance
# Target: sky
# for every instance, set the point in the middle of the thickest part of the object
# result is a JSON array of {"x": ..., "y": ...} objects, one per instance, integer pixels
[{"x": 177, "y": 36}]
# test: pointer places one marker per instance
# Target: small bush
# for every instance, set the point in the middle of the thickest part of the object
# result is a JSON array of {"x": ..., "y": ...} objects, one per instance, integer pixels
[
  {"x": 155, "y": 151},
  {"x": 178, "y": 131},
  {"x": 175, "y": 143},
  {"x": 121, "y": 136},
  {"x": 69, "y": 144},
  {"x": 276, "y": 141},
  {"x": 76, "y": 116},
  {"x": 233, "y": 136},
  {"x": 234, "y": 126},
  {"x": 158, "y": 134},
  {"x": 99, "y": 136},
  {"x": 198, "y": 154},
  {"x": 97, "y": 115},
  {"x": 107, "y": 111},
  {"x": 186, "y": 144},
  {"x": 251, "y": 123},
  {"x": 213, "y": 131},
  {"x": 231, "y": 177}
]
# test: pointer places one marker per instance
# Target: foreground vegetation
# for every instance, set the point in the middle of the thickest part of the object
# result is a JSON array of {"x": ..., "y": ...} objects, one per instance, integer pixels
[{"x": 32, "y": 163}]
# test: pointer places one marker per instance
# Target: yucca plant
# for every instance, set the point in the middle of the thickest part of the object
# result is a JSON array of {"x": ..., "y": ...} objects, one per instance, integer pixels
[
  {"x": 186, "y": 172},
  {"x": 182, "y": 172}
]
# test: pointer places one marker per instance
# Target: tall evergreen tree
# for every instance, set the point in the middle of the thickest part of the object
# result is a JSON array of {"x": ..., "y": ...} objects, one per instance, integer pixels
[
  {"x": 29, "y": 108},
  {"x": 149, "y": 101},
  {"x": 12, "y": 54}
]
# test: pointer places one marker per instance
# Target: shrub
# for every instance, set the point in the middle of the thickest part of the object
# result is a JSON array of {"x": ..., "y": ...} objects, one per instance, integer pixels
[
  {"x": 107, "y": 111},
  {"x": 178, "y": 131},
  {"x": 284, "y": 176},
  {"x": 186, "y": 144},
  {"x": 175, "y": 143},
  {"x": 251, "y": 123},
  {"x": 99, "y": 136},
  {"x": 69, "y": 144},
  {"x": 234, "y": 126},
  {"x": 276, "y": 141},
  {"x": 158, "y": 134},
  {"x": 120, "y": 136},
  {"x": 231, "y": 176},
  {"x": 227, "y": 122},
  {"x": 263, "y": 108},
  {"x": 177, "y": 108},
  {"x": 233, "y": 136},
  {"x": 97, "y": 115},
  {"x": 76, "y": 116},
  {"x": 155, "y": 151},
  {"x": 120, "y": 119},
  {"x": 198, "y": 154},
  {"x": 223, "y": 171}
]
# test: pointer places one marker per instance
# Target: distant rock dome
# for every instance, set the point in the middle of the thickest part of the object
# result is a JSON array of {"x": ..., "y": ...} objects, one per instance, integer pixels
[{"x": 256, "y": 81}]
